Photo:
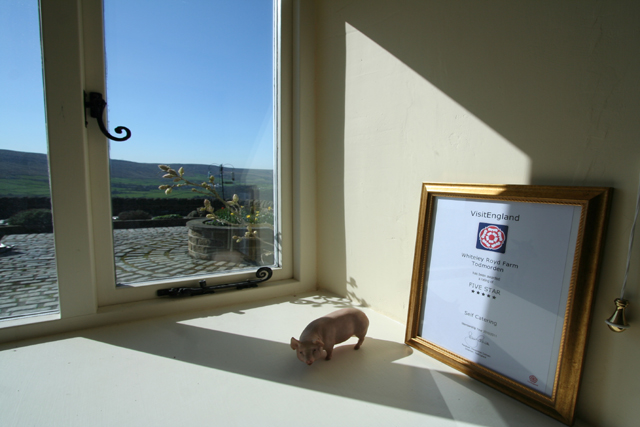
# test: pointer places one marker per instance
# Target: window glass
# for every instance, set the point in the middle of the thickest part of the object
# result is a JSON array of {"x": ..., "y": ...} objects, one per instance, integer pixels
[
  {"x": 28, "y": 279},
  {"x": 194, "y": 82}
]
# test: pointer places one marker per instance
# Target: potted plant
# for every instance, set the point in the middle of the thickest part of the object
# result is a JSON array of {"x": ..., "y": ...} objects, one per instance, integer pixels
[{"x": 233, "y": 228}]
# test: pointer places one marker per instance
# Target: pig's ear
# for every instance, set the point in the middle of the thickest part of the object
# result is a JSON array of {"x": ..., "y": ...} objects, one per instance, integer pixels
[
  {"x": 318, "y": 343},
  {"x": 294, "y": 343}
]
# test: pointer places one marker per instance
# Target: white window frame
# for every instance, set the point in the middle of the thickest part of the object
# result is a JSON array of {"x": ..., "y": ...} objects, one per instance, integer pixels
[
  {"x": 108, "y": 293},
  {"x": 79, "y": 168}
]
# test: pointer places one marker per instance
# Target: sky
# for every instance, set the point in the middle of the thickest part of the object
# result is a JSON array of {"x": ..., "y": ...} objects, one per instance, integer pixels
[{"x": 191, "y": 79}]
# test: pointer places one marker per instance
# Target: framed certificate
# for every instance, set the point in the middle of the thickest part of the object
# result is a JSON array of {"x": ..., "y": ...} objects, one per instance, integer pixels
[{"x": 503, "y": 283}]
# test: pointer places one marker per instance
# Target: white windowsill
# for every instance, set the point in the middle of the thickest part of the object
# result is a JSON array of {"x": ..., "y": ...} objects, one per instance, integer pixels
[
  {"x": 40, "y": 326},
  {"x": 234, "y": 366},
  {"x": 29, "y": 320}
]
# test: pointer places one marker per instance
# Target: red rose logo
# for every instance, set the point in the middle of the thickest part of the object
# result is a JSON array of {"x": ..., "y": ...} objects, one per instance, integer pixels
[{"x": 491, "y": 237}]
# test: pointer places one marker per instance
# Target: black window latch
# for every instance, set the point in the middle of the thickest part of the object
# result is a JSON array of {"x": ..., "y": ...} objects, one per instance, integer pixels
[{"x": 96, "y": 105}]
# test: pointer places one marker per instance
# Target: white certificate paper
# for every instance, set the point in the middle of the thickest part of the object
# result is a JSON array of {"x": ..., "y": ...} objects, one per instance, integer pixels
[{"x": 497, "y": 284}]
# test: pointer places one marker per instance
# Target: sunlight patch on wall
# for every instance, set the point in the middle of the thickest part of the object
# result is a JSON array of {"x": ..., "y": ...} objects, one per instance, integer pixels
[
  {"x": 395, "y": 118},
  {"x": 399, "y": 131}
]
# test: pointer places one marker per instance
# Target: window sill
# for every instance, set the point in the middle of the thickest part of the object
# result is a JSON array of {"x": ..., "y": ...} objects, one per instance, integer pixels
[
  {"x": 29, "y": 320},
  {"x": 40, "y": 326},
  {"x": 242, "y": 352}
]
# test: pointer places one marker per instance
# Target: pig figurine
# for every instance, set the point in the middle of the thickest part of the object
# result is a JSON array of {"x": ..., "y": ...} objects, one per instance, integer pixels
[{"x": 322, "y": 334}]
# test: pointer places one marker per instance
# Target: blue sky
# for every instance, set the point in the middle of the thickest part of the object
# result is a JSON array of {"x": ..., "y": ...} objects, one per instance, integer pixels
[{"x": 191, "y": 79}]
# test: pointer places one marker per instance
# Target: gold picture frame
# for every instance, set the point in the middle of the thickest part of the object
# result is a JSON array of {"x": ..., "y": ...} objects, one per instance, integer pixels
[{"x": 503, "y": 284}]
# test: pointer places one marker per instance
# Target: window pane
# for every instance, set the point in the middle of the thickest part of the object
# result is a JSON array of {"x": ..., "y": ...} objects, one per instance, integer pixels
[
  {"x": 194, "y": 82},
  {"x": 28, "y": 280}
]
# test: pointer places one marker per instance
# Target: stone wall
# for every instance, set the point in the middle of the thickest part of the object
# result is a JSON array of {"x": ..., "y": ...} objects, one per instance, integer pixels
[
  {"x": 12, "y": 205},
  {"x": 156, "y": 207}
]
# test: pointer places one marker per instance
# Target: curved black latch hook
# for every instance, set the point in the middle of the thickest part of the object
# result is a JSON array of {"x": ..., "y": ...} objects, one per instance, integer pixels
[{"x": 96, "y": 105}]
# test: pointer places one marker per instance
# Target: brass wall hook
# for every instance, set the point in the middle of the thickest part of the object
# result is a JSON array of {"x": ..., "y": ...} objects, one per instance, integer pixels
[{"x": 618, "y": 322}]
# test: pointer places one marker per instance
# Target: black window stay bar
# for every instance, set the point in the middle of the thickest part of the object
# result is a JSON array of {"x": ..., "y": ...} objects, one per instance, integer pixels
[{"x": 263, "y": 273}]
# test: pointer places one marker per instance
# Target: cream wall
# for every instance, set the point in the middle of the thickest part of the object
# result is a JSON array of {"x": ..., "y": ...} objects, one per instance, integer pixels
[{"x": 519, "y": 92}]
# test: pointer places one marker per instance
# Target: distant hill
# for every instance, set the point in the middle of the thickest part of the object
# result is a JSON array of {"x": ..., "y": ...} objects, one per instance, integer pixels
[
  {"x": 27, "y": 174},
  {"x": 17, "y": 162}
]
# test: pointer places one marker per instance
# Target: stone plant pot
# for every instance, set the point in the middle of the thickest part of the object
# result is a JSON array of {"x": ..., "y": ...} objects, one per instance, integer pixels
[{"x": 216, "y": 243}]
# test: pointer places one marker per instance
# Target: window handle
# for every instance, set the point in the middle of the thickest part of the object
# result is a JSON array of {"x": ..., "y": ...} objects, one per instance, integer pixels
[{"x": 96, "y": 105}]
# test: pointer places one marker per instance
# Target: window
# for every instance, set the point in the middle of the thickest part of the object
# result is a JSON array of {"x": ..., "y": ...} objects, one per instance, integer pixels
[
  {"x": 194, "y": 82},
  {"x": 73, "y": 49},
  {"x": 28, "y": 279}
]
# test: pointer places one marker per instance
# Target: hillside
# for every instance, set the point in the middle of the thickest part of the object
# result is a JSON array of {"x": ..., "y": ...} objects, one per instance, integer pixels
[{"x": 26, "y": 174}]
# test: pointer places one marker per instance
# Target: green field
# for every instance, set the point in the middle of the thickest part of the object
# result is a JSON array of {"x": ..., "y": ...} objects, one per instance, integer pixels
[
  {"x": 130, "y": 179},
  {"x": 25, "y": 186},
  {"x": 148, "y": 188},
  {"x": 30, "y": 186}
]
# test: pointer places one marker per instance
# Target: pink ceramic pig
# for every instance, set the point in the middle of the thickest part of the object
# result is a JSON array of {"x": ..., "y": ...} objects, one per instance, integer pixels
[{"x": 322, "y": 334}]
